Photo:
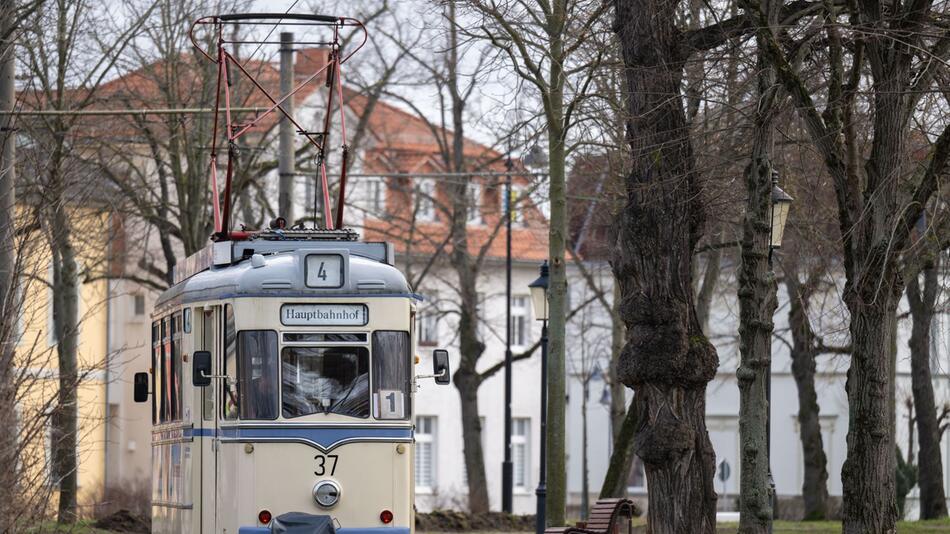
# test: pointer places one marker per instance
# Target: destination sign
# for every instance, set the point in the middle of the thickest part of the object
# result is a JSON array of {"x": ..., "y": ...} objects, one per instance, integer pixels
[{"x": 324, "y": 314}]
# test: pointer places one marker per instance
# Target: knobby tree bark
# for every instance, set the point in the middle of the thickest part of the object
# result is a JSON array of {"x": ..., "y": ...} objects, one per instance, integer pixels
[
  {"x": 923, "y": 300},
  {"x": 757, "y": 303},
  {"x": 667, "y": 359}
]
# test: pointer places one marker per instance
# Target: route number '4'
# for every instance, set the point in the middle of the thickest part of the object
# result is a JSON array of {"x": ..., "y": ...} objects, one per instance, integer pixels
[
  {"x": 326, "y": 465},
  {"x": 324, "y": 270}
]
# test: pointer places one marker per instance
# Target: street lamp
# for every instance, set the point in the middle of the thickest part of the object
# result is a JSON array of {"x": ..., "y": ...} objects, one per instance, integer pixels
[
  {"x": 539, "y": 304},
  {"x": 781, "y": 203}
]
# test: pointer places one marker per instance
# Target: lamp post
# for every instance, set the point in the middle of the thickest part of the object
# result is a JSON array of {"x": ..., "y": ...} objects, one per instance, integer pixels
[
  {"x": 781, "y": 202},
  {"x": 506, "y": 465},
  {"x": 539, "y": 303}
]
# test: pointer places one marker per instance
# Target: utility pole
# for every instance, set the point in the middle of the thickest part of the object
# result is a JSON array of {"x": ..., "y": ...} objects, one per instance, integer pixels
[
  {"x": 285, "y": 157},
  {"x": 8, "y": 281},
  {"x": 507, "y": 473},
  {"x": 7, "y": 166}
]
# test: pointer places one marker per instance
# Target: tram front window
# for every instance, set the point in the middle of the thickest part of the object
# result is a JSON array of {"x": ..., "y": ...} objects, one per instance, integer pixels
[{"x": 325, "y": 380}]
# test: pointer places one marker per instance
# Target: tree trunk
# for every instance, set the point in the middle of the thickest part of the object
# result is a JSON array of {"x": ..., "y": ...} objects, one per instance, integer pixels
[
  {"x": 868, "y": 473},
  {"x": 9, "y": 305},
  {"x": 467, "y": 385},
  {"x": 704, "y": 297},
  {"x": 618, "y": 393},
  {"x": 585, "y": 471},
  {"x": 621, "y": 460},
  {"x": 557, "y": 302},
  {"x": 933, "y": 503},
  {"x": 467, "y": 380},
  {"x": 667, "y": 358},
  {"x": 66, "y": 322},
  {"x": 872, "y": 293},
  {"x": 757, "y": 303},
  {"x": 803, "y": 355}
]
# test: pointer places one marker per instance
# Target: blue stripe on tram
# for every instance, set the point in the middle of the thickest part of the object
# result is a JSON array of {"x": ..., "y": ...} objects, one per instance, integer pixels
[{"x": 321, "y": 436}]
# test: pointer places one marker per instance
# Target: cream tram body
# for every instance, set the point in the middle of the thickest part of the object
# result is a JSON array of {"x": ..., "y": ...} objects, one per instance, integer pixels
[{"x": 308, "y": 353}]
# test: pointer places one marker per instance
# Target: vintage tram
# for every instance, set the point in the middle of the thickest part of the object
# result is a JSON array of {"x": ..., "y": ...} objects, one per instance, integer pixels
[{"x": 282, "y": 388}]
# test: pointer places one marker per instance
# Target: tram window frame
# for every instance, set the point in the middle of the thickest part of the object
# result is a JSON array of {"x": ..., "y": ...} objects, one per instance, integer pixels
[
  {"x": 156, "y": 369},
  {"x": 176, "y": 337},
  {"x": 246, "y": 394},
  {"x": 384, "y": 378},
  {"x": 164, "y": 356},
  {"x": 230, "y": 400}
]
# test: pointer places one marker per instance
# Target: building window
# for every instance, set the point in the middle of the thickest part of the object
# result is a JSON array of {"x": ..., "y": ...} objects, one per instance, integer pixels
[
  {"x": 139, "y": 304},
  {"x": 520, "y": 454},
  {"x": 375, "y": 196},
  {"x": 425, "y": 200},
  {"x": 474, "y": 203},
  {"x": 429, "y": 328},
  {"x": 519, "y": 321},
  {"x": 637, "y": 480},
  {"x": 425, "y": 453}
]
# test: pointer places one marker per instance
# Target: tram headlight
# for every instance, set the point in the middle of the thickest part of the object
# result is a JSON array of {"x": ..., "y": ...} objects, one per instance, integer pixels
[{"x": 326, "y": 493}]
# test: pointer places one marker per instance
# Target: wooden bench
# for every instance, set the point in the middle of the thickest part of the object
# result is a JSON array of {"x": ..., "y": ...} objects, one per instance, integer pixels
[{"x": 607, "y": 516}]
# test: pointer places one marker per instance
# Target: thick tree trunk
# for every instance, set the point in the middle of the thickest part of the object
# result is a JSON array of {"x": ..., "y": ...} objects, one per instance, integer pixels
[
  {"x": 66, "y": 323},
  {"x": 874, "y": 287},
  {"x": 621, "y": 459},
  {"x": 803, "y": 354},
  {"x": 868, "y": 473},
  {"x": 667, "y": 358},
  {"x": 933, "y": 503}
]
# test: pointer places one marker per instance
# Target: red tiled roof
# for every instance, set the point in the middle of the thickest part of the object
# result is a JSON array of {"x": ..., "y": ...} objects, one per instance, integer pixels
[{"x": 401, "y": 141}]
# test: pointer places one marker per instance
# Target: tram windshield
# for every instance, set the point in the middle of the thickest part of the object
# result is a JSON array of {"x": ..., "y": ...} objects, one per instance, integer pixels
[{"x": 325, "y": 380}]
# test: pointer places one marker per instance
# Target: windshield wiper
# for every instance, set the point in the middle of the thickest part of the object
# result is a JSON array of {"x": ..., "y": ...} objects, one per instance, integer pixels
[{"x": 332, "y": 407}]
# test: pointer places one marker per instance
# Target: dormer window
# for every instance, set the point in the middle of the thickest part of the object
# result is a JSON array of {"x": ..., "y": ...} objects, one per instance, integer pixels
[
  {"x": 375, "y": 196},
  {"x": 474, "y": 203},
  {"x": 425, "y": 200}
]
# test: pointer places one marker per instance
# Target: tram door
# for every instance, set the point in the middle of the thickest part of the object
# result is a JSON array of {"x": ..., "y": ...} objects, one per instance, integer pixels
[{"x": 210, "y": 341}]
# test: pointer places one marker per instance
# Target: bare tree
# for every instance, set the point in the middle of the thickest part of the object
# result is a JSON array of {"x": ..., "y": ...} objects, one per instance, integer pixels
[
  {"x": 922, "y": 298},
  {"x": 65, "y": 74},
  {"x": 877, "y": 209},
  {"x": 539, "y": 41}
]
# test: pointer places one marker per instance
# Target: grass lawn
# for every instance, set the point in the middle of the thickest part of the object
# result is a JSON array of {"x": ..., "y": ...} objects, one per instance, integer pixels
[{"x": 831, "y": 527}]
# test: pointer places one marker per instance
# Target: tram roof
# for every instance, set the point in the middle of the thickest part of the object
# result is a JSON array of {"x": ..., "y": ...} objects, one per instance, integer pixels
[{"x": 281, "y": 273}]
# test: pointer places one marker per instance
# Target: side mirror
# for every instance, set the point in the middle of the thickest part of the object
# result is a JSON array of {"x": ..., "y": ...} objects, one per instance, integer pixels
[
  {"x": 440, "y": 366},
  {"x": 201, "y": 369},
  {"x": 140, "y": 387}
]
